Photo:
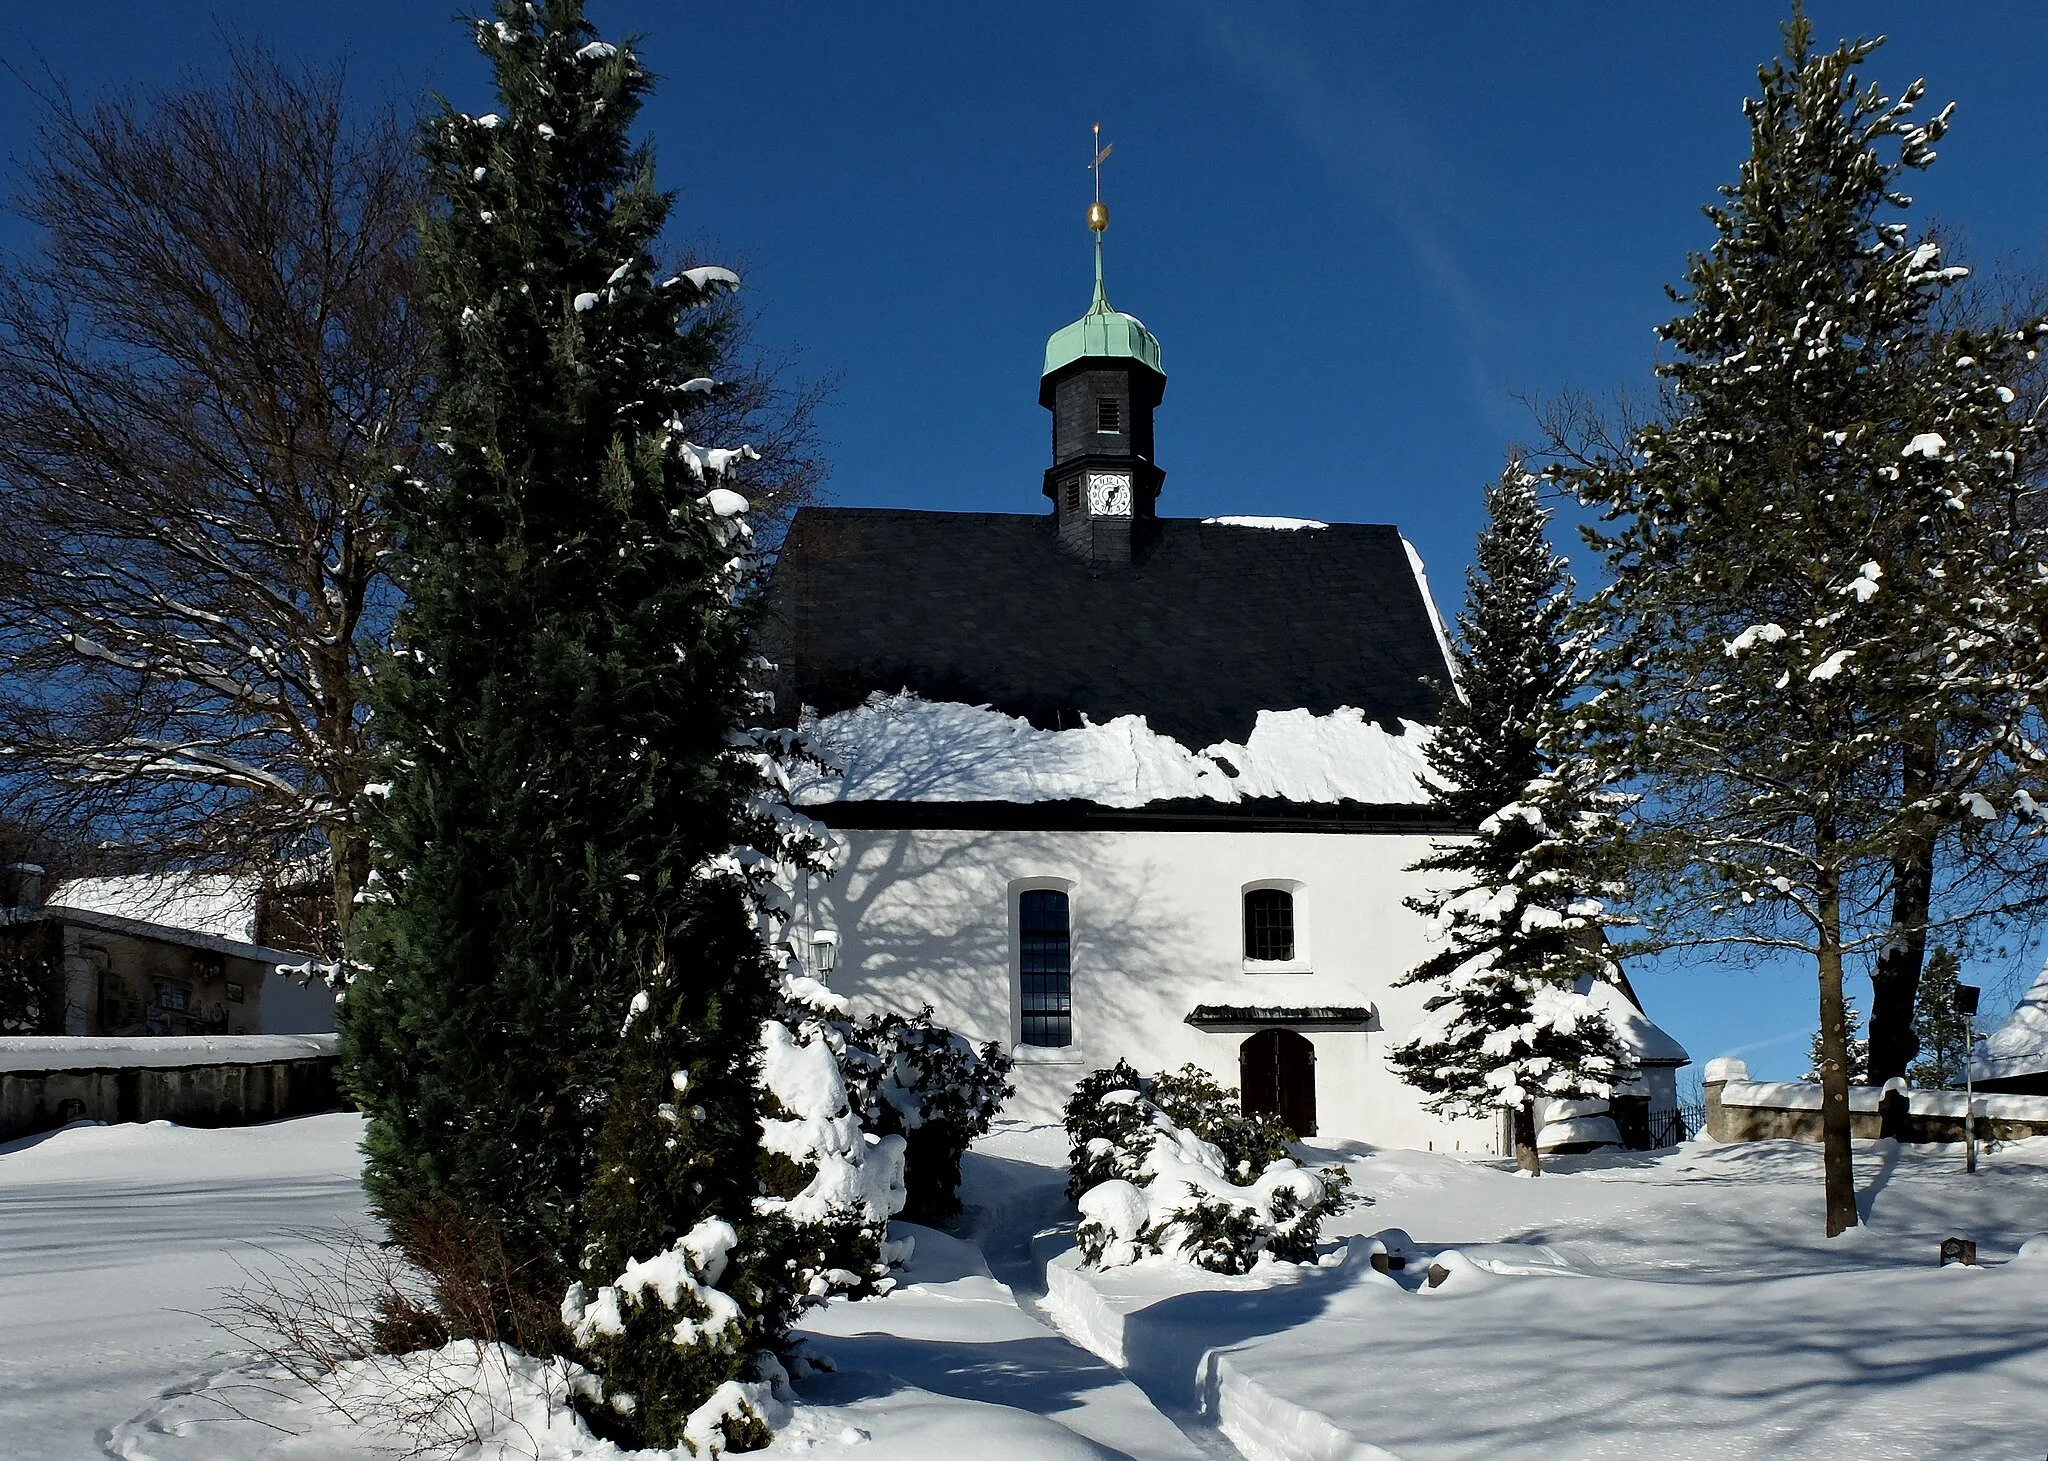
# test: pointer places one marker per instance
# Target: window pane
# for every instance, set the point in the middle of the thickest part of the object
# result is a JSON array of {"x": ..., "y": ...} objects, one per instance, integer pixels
[
  {"x": 1269, "y": 924},
  {"x": 1044, "y": 971}
]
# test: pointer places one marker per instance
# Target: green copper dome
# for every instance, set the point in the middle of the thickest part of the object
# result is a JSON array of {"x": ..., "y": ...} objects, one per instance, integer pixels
[{"x": 1102, "y": 333}]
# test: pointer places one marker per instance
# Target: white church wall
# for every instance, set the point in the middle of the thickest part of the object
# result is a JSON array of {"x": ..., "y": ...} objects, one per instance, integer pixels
[{"x": 1155, "y": 917}]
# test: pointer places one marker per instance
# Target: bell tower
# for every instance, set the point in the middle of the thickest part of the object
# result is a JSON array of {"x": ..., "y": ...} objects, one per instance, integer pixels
[{"x": 1102, "y": 382}]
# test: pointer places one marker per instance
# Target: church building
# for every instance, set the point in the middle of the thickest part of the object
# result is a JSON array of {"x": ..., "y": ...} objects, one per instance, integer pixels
[{"x": 1112, "y": 785}]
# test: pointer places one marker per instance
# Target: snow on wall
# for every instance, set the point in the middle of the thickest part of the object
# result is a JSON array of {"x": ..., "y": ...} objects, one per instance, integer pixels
[
  {"x": 2020, "y": 1045},
  {"x": 1806, "y": 1096},
  {"x": 904, "y": 748},
  {"x": 155, "y": 1052},
  {"x": 219, "y": 905}
]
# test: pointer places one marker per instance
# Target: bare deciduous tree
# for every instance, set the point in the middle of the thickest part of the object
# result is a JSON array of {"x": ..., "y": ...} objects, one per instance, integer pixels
[
  {"x": 209, "y": 368},
  {"x": 206, "y": 369}
]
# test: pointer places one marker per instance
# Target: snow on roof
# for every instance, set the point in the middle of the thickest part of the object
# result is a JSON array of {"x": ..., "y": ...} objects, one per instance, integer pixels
[
  {"x": 2020, "y": 1045},
  {"x": 217, "y": 905},
  {"x": 1436, "y": 620},
  {"x": 904, "y": 748},
  {"x": 1649, "y": 1044},
  {"x": 1278, "y": 524}
]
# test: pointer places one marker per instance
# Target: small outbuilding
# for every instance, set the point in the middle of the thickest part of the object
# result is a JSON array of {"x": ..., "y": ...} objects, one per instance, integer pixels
[
  {"x": 155, "y": 955},
  {"x": 2014, "y": 1057}
]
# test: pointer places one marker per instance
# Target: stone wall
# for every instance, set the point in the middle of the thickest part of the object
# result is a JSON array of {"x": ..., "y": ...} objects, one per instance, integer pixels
[
  {"x": 45, "y": 1088},
  {"x": 1739, "y": 1109}
]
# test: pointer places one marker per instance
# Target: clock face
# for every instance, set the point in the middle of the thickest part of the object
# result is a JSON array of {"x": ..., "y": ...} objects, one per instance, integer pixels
[{"x": 1109, "y": 494}]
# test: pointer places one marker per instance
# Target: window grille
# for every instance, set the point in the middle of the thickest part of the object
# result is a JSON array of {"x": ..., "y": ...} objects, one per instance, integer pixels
[
  {"x": 1109, "y": 414},
  {"x": 1269, "y": 924},
  {"x": 1045, "y": 968},
  {"x": 1073, "y": 486}
]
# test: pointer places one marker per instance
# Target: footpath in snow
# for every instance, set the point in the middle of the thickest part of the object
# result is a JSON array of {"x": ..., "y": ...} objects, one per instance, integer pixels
[{"x": 1682, "y": 1304}]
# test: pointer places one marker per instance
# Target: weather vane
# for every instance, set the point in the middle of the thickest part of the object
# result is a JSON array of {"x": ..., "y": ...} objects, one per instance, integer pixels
[{"x": 1098, "y": 212}]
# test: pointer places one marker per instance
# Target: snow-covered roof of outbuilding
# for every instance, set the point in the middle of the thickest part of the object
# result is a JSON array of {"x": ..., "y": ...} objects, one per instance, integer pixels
[
  {"x": 222, "y": 905},
  {"x": 216, "y": 911},
  {"x": 1208, "y": 625},
  {"x": 1645, "y": 1040},
  {"x": 2019, "y": 1047}
]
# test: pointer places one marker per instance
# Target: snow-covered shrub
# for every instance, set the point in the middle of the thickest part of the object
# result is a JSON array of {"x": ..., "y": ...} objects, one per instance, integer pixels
[
  {"x": 911, "y": 1077},
  {"x": 667, "y": 1321},
  {"x": 1105, "y": 1136},
  {"x": 1219, "y": 1192},
  {"x": 837, "y": 1182}
]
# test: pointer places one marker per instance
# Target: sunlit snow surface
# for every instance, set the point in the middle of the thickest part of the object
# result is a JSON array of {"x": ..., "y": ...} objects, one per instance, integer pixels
[
  {"x": 903, "y": 748},
  {"x": 114, "y": 1241},
  {"x": 1271, "y": 524},
  {"x": 220, "y": 905},
  {"x": 1682, "y": 1304}
]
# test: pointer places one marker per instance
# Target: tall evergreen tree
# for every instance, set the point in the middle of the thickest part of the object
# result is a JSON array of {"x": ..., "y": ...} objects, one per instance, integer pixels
[
  {"x": 1522, "y": 909},
  {"x": 560, "y": 797},
  {"x": 1822, "y": 632},
  {"x": 1509, "y": 657},
  {"x": 1942, "y": 1034},
  {"x": 1858, "y": 1047}
]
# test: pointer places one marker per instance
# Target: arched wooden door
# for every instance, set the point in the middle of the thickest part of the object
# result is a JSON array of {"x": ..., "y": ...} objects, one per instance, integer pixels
[{"x": 1276, "y": 1075}]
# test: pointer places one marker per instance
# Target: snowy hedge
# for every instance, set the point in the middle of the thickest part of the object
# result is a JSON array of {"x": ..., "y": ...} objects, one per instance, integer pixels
[
  {"x": 1171, "y": 1165},
  {"x": 863, "y": 1120},
  {"x": 914, "y": 1078},
  {"x": 837, "y": 1182}
]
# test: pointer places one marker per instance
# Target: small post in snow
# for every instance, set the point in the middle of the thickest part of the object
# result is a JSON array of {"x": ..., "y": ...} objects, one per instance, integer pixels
[{"x": 1966, "y": 1006}]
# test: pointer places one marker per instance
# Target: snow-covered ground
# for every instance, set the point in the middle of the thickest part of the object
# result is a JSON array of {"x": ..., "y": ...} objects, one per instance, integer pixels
[
  {"x": 1682, "y": 1304},
  {"x": 115, "y": 1240}
]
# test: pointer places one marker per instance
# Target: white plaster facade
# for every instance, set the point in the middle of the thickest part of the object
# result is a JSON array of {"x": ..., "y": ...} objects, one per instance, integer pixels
[{"x": 930, "y": 916}]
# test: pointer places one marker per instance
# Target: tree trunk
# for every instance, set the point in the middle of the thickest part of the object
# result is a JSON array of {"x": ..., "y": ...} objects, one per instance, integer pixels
[
  {"x": 1836, "y": 1158},
  {"x": 1526, "y": 1155},
  {"x": 1895, "y": 981},
  {"x": 350, "y": 857}
]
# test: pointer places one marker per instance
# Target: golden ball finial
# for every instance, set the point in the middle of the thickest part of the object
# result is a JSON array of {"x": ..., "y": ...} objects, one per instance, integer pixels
[{"x": 1098, "y": 216}]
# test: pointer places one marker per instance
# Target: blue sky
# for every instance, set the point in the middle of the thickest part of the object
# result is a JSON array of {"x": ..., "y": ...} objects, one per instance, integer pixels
[{"x": 1366, "y": 234}]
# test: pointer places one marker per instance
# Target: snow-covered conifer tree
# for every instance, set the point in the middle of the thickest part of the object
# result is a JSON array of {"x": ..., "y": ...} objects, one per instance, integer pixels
[
  {"x": 1942, "y": 1034},
  {"x": 555, "y": 1032},
  {"x": 1858, "y": 1047},
  {"x": 1823, "y": 607},
  {"x": 1522, "y": 909},
  {"x": 1509, "y": 657}
]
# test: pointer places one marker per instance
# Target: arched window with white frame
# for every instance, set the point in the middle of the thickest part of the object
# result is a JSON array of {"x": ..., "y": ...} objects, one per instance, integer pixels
[
  {"x": 1045, "y": 967},
  {"x": 1275, "y": 932}
]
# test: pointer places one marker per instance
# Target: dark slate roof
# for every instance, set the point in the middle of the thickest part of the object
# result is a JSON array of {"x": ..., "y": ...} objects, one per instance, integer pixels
[{"x": 1209, "y": 625}]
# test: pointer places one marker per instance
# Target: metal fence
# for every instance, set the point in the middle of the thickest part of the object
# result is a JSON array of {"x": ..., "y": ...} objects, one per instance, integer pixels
[{"x": 1667, "y": 1128}]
